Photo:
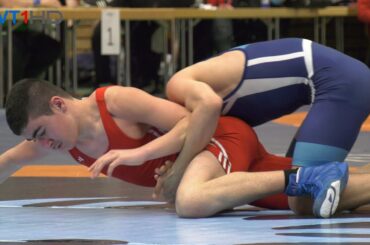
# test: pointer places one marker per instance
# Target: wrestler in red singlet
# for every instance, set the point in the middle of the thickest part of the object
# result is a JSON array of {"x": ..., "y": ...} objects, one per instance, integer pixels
[{"x": 234, "y": 144}]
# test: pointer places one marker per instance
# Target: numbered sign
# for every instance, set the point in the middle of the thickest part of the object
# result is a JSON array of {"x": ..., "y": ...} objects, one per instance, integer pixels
[{"x": 110, "y": 32}]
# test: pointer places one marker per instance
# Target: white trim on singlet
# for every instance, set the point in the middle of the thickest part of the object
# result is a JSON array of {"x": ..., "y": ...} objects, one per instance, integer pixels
[
  {"x": 275, "y": 58},
  {"x": 308, "y": 60},
  {"x": 307, "y": 49},
  {"x": 223, "y": 158}
]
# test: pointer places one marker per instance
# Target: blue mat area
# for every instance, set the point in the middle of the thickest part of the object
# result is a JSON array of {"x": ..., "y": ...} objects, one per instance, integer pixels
[{"x": 150, "y": 223}]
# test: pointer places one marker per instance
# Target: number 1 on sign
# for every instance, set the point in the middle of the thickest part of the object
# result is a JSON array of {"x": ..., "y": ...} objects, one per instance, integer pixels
[
  {"x": 110, "y": 32},
  {"x": 110, "y": 43}
]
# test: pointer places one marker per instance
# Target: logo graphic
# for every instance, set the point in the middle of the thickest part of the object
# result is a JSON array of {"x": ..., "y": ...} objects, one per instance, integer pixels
[{"x": 28, "y": 16}]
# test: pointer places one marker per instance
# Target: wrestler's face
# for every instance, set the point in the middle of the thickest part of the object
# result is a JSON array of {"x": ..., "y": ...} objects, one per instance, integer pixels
[{"x": 57, "y": 131}]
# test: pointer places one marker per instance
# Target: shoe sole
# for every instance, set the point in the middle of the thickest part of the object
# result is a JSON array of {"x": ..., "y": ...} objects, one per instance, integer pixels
[{"x": 328, "y": 205}]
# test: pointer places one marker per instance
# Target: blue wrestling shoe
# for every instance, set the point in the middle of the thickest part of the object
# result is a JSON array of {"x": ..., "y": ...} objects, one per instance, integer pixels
[{"x": 324, "y": 183}]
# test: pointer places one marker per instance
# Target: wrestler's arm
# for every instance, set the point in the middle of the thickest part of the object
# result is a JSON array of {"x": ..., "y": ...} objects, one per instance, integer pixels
[
  {"x": 204, "y": 105},
  {"x": 200, "y": 89},
  {"x": 17, "y": 157},
  {"x": 140, "y": 107},
  {"x": 187, "y": 87}
]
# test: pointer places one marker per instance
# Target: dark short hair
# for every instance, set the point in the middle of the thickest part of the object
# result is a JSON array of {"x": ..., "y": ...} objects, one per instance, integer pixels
[{"x": 29, "y": 98}]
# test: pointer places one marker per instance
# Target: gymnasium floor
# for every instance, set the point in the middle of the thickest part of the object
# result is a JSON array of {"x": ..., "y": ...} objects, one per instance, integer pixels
[{"x": 54, "y": 202}]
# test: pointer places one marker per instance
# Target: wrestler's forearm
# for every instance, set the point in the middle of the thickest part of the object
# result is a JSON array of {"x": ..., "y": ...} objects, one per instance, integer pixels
[
  {"x": 193, "y": 144},
  {"x": 190, "y": 135},
  {"x": 7, "y": 166},
  {"x": 202, "y": 125},
  {"x": 168, "y": 144},
  {"x": 205, "y": 106},
  {"x": 17, "y": 157}
]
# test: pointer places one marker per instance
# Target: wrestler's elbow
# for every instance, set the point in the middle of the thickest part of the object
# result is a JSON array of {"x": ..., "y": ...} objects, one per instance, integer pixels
[{"x": 209, "y": 100}]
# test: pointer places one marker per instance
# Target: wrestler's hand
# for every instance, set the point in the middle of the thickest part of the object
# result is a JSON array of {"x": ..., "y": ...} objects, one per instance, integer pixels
[
  {"x": 157, "y": 193},
  {"x": 114, "y": 158},
  {"x": 167, "y": 183}
]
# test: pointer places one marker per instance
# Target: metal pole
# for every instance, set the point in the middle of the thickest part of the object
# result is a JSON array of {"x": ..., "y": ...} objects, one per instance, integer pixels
[
  {"x": 323, "y": 30},
  {"x": 120, "y": 61},
  {"x": 128, "y": 53},
  {"x": 74, "y": 56},
  {"x": 277, "y": 28},
  {"x": 316, "y": 30},
  {"x": 191, "y": 42},
  {"x": 173, "y": 46},
  {"x": 165, "y": 52},
  {"x": 183, "y": 43},
  {"x": 270, "y": 28},
  {"x": 50, "y": 32},
  {"x": 10, "y": 55},
  {"x": 339, "y": 33},
  {"x": 59, "y": 61},
  {"x": 67, "y": 80},
  {"x": 1, "y": 67}
]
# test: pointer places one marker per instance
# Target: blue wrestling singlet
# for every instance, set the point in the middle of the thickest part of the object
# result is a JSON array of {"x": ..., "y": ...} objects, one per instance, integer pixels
[{"x": 282, "y": 75}]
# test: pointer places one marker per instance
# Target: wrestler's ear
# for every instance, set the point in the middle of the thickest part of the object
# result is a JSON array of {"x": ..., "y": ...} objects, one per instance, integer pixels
[{"x": 57, "y": 104}]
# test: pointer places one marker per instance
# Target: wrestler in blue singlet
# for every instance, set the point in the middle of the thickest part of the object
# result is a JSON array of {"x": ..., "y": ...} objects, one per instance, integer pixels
[{"x": 282, "y": 75}]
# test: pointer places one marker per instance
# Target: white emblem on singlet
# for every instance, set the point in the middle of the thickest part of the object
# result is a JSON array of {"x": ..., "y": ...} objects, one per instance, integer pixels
[{"x": 80, "y": 159}]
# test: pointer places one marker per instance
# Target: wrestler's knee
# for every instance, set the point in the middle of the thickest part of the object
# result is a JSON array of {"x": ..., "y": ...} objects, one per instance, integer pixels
[{"x": 190, "y": 204}]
